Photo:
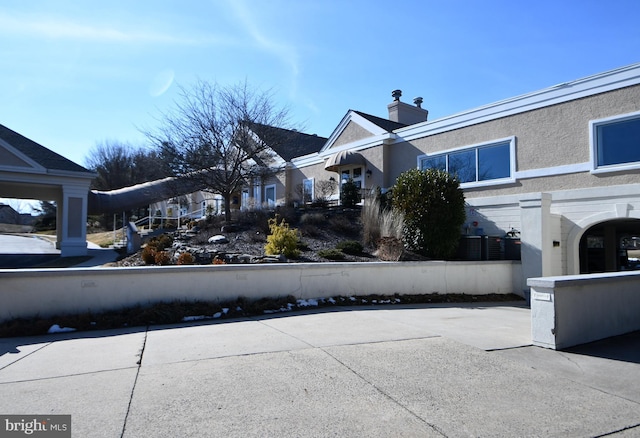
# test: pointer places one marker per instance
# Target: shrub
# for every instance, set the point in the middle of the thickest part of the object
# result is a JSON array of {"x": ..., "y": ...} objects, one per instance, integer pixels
[
  {"x": 312, "y": 219},
  {"x": 391, "y": 223},
  {"x": 310, "y": 230},
  {"x": 370, "y": 217},
  {"x": 350, "y": 247},
  {"x": 324, "y": 191},
  {"x": 218, "y": 261},
  {"x": 282, "y": 240},
  {"x": 161, "y": 242},
  {"x": 162, "y": 258},
  {"x": 185, "y": 258},
  {"x": 149, "y": 255},
  {"x": 433, "y": 207},
  {"x": 380, "y": 223},
  {"x": 349, "y": 194},
  {"x": 331, "y": 254},
  {"x": 344, "y": 225}
]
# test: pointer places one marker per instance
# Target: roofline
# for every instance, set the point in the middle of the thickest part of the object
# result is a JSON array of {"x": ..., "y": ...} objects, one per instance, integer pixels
[
  {"x": 352, "y": 115},
  {"x": 599, "y": 83}
]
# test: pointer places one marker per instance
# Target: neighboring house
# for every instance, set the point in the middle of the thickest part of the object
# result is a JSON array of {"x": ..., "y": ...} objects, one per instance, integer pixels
[
  {"x": 561, "y": 166},
  {"x": 8, "y": 215},
  {"x": 266, "y": 189}
]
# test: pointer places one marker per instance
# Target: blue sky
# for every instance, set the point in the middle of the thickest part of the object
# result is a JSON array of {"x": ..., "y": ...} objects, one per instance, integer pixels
[{"x": 78, "y": 73}]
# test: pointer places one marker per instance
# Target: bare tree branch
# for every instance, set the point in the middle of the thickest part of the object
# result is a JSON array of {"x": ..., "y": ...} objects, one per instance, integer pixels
[{"x": 221, "y": 136}]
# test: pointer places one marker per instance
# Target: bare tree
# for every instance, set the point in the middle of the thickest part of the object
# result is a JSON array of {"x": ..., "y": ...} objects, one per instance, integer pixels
[
  {"x": 120, "y": 165},
  {"x": 221, "y": 138},
  {"x": 112, "y": 161}
]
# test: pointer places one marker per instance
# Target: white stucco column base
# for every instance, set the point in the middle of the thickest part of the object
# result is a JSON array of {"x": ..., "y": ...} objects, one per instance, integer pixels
[{"x": 577, "y": 309}]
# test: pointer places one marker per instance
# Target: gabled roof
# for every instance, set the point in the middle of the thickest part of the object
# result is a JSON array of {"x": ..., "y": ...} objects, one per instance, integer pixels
[
  {"x": 38, "y": 153},
  {"x": 386, "y": 124},
  {"x": 378, "y": 129},
  {"x": 288, "y": 143}
]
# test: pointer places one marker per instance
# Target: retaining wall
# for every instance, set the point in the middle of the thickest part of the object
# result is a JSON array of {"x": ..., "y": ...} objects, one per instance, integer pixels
[
  {"x": 48, "y": 292},
  {"x": 576, "y": 309}
]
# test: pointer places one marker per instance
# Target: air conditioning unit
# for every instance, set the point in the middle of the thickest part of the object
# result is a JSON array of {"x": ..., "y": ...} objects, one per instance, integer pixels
[{"x": 470, "y": 248}]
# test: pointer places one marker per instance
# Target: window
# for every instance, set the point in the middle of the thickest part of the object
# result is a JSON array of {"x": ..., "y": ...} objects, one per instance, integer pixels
[
  {"x": 354, "y": 173},
  {"x": 307, "y": 190},
  {"x": 270, "y": 195},
  {"x": 615, "y": 142},
  {"x": 483, "y": 164}
]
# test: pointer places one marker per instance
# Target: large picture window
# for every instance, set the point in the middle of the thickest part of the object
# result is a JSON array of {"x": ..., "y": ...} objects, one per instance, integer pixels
[
  {"x": 487, "y": 163},
  {"x": 615, "y": 142}
]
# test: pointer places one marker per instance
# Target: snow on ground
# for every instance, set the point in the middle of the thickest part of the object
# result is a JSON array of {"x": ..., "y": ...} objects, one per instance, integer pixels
[
  {"x": 55, "y": 328},
  {"x": 299, "y": 304}
]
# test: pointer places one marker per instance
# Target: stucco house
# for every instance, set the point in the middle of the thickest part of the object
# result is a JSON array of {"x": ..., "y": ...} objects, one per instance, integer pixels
[
  {"x": 561, "y": 166},
  {"x": 272, "y": 187}
]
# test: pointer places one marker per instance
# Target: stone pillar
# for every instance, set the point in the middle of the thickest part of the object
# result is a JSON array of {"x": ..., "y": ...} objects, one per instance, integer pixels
[{"x": 535, "y": 235}]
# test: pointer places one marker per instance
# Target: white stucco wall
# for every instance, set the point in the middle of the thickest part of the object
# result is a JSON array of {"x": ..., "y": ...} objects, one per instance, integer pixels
[{"x": 25, "y": 293}]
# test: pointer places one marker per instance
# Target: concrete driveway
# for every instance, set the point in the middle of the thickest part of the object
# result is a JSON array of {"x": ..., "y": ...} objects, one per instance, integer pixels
[
  {"x": 27, "y": 251},
  {"x": 459, "y": 370}
]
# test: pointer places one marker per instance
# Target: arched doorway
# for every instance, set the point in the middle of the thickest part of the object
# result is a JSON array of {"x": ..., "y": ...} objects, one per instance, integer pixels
[{"x": 611, "y": 246}]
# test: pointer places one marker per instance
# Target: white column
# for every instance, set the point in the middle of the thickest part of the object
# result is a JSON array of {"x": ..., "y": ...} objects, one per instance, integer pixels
[
  {"x": 535, "y": 235},
  {"x": 73, "y": 230}
]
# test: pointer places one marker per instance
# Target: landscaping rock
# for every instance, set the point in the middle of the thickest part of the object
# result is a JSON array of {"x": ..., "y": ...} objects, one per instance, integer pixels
[{"x": 218, "y": 238}]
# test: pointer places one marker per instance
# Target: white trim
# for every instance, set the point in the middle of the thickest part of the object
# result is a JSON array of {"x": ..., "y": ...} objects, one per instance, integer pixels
[
  {"x": 35, "y": 167},
  {"x": 593, "y": 145},
  {"x": 553, "y": 171},
  {"x": 359, "y": 145},
  {"x": 352, "y": 116},
  {"x": 565, "y": 92},
  {"x": 307, "y": 160}
]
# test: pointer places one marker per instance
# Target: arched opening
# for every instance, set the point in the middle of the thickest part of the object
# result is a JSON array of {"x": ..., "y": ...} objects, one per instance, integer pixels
[{"x": 611, "y": 246}]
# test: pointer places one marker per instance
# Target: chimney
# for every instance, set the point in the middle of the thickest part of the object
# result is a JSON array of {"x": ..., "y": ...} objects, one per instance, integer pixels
[{"x": 404, "y": 113}]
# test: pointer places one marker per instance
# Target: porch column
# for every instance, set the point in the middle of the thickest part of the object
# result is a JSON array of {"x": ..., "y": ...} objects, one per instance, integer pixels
[
  {"x": 535, "y": 235},
  {"x": 73, "y": 229}
]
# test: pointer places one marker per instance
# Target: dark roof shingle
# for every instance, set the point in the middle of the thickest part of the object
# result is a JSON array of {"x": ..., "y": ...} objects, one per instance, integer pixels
[
  {"x": 38, "y": 153},
  {"x": 288, "y": 143}
]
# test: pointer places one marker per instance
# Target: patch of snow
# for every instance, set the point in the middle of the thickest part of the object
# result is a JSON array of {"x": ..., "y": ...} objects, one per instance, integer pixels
[
  {"x": 55, "y": 328},
  {"x": 331, "y": 300},
  {"x": 217, "y": 315},
  {"x": 307, "y": 303},
  {"x": 225, "y": 310},
  {"x": 193, "y": 318},
  {"x": 281, "y": 309}
]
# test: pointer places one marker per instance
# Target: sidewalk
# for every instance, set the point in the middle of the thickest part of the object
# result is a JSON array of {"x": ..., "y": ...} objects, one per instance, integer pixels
[{"x": 459, "y": 370}]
